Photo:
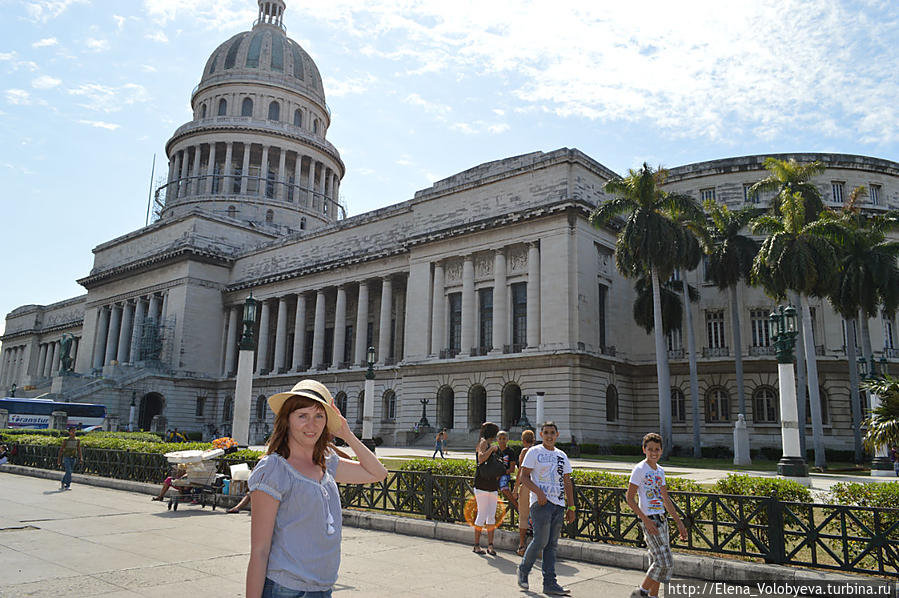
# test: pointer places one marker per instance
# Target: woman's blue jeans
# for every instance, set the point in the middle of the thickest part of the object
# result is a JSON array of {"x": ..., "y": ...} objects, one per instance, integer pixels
[
  {"x": 547, "y": 521},
  {"x": 274, "y": 590}
]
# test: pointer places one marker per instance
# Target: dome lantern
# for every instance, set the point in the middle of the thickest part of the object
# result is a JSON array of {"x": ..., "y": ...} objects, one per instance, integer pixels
[{"x": 272, "y": 13}]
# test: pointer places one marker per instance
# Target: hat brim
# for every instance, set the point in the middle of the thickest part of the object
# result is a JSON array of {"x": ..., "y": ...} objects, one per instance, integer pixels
[{"x": 276, "y": 401}]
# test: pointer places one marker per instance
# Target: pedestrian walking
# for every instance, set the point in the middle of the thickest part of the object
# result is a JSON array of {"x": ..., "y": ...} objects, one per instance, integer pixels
[
  {"x": 296, "y": 525},
  {"x": 509, "y": 459},
  {"x": 69, "y": 450},
  {"x": 523, "y": 494},
  {"x": 648, "y": 481},
  {"x": 546, "y": 472},
  {"x": 486, "y": 485},
  {"x": 440, "y": 444}
]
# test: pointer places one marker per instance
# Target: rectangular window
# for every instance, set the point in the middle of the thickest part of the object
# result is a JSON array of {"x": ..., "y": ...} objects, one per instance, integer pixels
[
  {"x": 349, "y": 341},
  {"x": 310, "y": 334},
  {"x": 836, "y": 188},
  {"x": 369, "y": 335},
  {"x": 717, "y": 406},
  {"x": 485, "y": 320},
  {"x": 519, "y": 316},
  {"x": 747, "y": 197},
  {"x": 874, "y": 192},
  {"x": 329, "y": 347},
  {"x": 201, "y": 406},
  {"x": 603, "y": 295},
  {"x": 678, "y": 405},
  {"x": 392, "y": 348},
  {"x": 706, "y": 264},
  {"x": 714, "y": 324},
  {"x": 761, "y": 335},
  {"x": 706, "y": 194},
  {"x": 854, "y": 334},
  {"x": 675, "y": 340},
  {"x": 889, "y": 325},
  {"x": 455, "y": 323}
]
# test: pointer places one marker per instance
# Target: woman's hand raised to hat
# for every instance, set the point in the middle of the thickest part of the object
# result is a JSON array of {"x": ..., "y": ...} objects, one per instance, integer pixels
[{"x": 344, "y": 433}]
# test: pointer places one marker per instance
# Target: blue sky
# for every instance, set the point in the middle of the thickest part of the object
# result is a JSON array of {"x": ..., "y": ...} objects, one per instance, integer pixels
[{"x": 419, "y": 90}]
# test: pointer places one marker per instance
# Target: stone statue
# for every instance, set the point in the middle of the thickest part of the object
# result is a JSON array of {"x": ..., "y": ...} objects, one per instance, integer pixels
[{"x": 65, "y": 359}]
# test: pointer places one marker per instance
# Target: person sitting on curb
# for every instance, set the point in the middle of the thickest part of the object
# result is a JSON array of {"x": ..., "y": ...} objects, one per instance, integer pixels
[{"x": 179, "y": 472}]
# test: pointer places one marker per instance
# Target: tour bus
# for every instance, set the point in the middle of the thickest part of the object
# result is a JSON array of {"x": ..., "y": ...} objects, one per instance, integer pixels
[{"x": 35, "y": 413}]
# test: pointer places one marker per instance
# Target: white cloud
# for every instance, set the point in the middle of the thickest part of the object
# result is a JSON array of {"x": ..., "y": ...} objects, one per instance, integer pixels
[
  {"x": 102, "y": 98},
  {"x": 219, "y": 15},
  {"x": 44, "y": 10},
  {"x": 18, "y": 97},
  {"x": 100, "y": 124},
  {"x": 96, "y": 45},
  {"x": 343, "y": 87},
  {"x": 158, "y": 36},
  {"x": 45, "y": 82},
  {"x": 430, "y": 107},
  {"x": 45, "y": 43},
  {"x": 148, "y": 68},
  {"x": 7, "y": 56},
  {"x": 119, "y": 21}
]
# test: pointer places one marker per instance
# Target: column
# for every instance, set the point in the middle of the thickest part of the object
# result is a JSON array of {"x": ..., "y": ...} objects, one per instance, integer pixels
[
  {"x": 227, "y": 183},
  {"x": 76, "y": 342},
  {"x": 385, "y": 328},
  {"x": 339, "y": 328},
  {"x": 182, "y": 184},
  {"x": 125, "y": 332},
  {"x": 318, "y": 336},
  {"x": 42, "y": 360},
  {"x": 299, "y": 335},
  {"x": 234, "y": 326},
  {"x": 112, "y": 336},
  {"x": 140, "y": 311},
  {"x": 468, "y": 305},
  {"x": 321, "y": 187},
  {"x": 245, "y": 172},
  {"x": 263, "y": 173},
  {"x": 280, "y": 336},
  {"x": 399, "y": 327},
  {"x": 438, "y": 315},
  {"x": 210, "y": 168},
  {"x": 282, "y": 175},
  {"x": 500, "y": 318},
  {"x": 54, "y": 361},
  {"x": 359, "y": 358},
  {"x": 153, "y": 311},
  {"x": 172, "y": 189},
  {"x": 297, "y": 171},
  {"x": 165, "y": 306},
  {"x": 533, "y": 296},
  {"x": 100, "y": 336},
  {"x": 262, "y": 350}
]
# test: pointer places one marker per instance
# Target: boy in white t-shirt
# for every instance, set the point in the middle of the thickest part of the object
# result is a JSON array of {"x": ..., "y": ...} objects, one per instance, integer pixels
[
  {"x": 546, "y": 472},
  {"x": 648, "y": 480}
]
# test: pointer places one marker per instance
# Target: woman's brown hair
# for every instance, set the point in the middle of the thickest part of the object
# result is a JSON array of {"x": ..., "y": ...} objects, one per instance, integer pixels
[{"x": 278, "y": 441}]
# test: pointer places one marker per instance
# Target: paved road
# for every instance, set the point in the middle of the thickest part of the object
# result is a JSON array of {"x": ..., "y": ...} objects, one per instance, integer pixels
[{"x": 93, "y": 541}]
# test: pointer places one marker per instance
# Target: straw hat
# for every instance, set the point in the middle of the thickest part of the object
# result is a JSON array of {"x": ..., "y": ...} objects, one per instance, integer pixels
[{"x": 311, "y": 389}]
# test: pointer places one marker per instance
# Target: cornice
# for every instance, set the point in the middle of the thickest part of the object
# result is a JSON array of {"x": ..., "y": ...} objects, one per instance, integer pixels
[{"x": 168, "y": 256}]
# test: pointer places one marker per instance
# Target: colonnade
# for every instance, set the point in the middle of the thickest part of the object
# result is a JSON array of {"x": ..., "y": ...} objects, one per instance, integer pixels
[
  {"x": 209, "y": 168},
  {"x": 13, "y": 364},
  {"x": 49, "y": 356},
  {"x": 120, "y": 326},
  {"x": 278, "y": 308}
]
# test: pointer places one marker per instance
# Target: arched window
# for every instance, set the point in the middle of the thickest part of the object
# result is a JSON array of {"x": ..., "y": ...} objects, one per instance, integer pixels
[
  {"x": 303, "y": 223},
  {"x": 315, "y": 126},
  {"x": 203, "y": 111},
  {"x": 446, "y": 399},
  {"x": 274, "y": 111},
  {"x": 717, "y": 406},
  {"x": 269, "y": 216},
  {"x": 223, "y": 107},
  {"x": 477, "y": 406},
  {"x": 388, "y": 412},
  {"x": 228, "y": 410},
  {"x": 678, "y": 405},
  {"x": 764, "y": 405},
  {"x": 611, "y": 403},
  {"x": 511, "y": 405},
  {"x": 297, "y": 118},
  {"x": 246, "y": 109},
  {"x": 340, "y": 401},
  {"x": 260, "y": 407},
  {"x": 232, "y": 212}
]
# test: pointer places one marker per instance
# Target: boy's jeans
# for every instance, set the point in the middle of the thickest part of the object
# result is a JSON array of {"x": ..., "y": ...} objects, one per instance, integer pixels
[
  {"x": 69, "y": 464},
  {"x": 547, "y": 521}
]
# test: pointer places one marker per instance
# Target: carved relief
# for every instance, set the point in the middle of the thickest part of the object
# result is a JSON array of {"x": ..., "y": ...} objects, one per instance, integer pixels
[
  {"x": 603, "y": 260},
  {"x": 483, "y": 266},
  {"x": 518, "y": 258},
  {"x": 453, "y": 271}
]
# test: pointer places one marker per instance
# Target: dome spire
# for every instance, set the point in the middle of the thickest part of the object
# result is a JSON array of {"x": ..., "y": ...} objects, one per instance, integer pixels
[{"x": 271, "y": 12}]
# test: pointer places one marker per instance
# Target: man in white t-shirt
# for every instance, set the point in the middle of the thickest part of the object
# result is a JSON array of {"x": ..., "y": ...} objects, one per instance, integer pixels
[
  {"x": 648, "y": 480},
  {"x": 546, "y": 472}
]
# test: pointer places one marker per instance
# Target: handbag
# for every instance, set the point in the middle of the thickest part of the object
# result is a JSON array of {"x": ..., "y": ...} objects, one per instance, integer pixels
[{"x": 492, "y": 468}]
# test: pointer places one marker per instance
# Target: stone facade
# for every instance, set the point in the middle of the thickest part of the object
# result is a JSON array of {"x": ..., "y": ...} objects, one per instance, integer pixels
[{"x": 487, "y": 286}]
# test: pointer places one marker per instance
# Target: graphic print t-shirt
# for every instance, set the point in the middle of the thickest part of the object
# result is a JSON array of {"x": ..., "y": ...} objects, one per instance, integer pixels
[
  {"x": 548, "y": 469},
  {"x": 508, "y": 456},
  {"x": 649, "y": 484}
]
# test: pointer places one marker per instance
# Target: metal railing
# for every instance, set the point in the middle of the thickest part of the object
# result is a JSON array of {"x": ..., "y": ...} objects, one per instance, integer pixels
[
  {"x": 761, "y": 351},
  {"x": 716, "y": 351}
]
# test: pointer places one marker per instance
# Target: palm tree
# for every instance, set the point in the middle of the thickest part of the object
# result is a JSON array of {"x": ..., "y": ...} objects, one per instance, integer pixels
[
  {"x": 649, "y": 241},
  {"x": 730, "y": 261},
  {"x": 798, "y": 255},
  {"x": 883, "y": 422}
]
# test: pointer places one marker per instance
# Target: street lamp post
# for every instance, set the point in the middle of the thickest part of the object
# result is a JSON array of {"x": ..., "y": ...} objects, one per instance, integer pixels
[
  {"x": 523, "y": 421},
  {"x": 881, "y": 465},
  {"x": 783, "y": 329},
  {"x": 243, "y": 391},
  {"x": 132, "y": 410},
  {"x": 369, "y": 406},
  {"x": 423, "y": 423}
]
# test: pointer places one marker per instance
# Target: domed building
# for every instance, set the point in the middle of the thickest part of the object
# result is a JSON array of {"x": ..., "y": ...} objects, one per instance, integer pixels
[{"x": 480, "y": 292}]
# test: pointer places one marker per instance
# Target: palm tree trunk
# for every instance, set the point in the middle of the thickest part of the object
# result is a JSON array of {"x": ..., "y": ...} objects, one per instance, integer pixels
[
  {"x": 738, "y": 349},
  {"x": 664, "y": 379},
  {"x": 811, "y": 367},
  {"x": 694, "y": 378},
  {"x": 851, "y": 327},
  {"x": 801, "y": 381}
]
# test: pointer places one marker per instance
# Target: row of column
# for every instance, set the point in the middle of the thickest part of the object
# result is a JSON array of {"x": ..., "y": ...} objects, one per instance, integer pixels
[
  {"x": 195, "y": 170},
  {"x": 319, "y": 359},
  {"x": 501, "y": 318},
  {"x": 13, "y": 364},
  {"x": 49, "y": 355},
  {"x": 120, "y": 326}
]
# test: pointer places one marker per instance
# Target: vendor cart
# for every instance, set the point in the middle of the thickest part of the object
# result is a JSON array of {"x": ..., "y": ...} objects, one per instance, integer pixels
[{"x": 200, "y": 483}]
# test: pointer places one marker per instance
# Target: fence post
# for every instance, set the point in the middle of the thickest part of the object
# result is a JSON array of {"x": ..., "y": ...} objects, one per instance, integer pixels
[
  {"x": 776, "y": 543},
  {"x": 429, "y": 496}
]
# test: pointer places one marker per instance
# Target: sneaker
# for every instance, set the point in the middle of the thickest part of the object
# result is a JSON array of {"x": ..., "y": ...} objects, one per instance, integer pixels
[
  {"x": 639, "y": 593},
  {"x": 556, "y": 590},
  {"x": 522, "y": 579}
]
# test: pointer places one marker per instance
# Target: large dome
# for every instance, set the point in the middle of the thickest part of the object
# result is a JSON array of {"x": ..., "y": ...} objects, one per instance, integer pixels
[{"x": 264, "y": 54}]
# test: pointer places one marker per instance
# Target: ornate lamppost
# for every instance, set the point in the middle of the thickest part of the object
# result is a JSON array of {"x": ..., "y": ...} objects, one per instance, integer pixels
[
  {"x": 881, "y": 465},
  {"x": 368, "y": 409},
  {"x": 423, "y": 423},
  {"x": 783, "y": 329},
  {"x": 243, "y": 391}
]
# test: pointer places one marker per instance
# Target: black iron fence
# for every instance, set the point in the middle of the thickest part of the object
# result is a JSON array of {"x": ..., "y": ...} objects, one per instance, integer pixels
[{"x": 824, "y": 536}]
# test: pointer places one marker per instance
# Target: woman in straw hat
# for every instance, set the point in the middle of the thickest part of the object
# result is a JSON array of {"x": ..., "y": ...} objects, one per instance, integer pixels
[{"x": 296, "y": 522}]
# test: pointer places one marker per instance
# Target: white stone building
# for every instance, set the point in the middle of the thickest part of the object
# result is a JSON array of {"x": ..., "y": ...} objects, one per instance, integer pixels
[{"x": 487, "y": 286}]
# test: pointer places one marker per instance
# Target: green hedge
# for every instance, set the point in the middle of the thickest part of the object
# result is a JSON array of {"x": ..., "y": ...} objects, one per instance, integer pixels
[
  {"x": 870, "y": 494},
  {"x": 744, "y": 485}
]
